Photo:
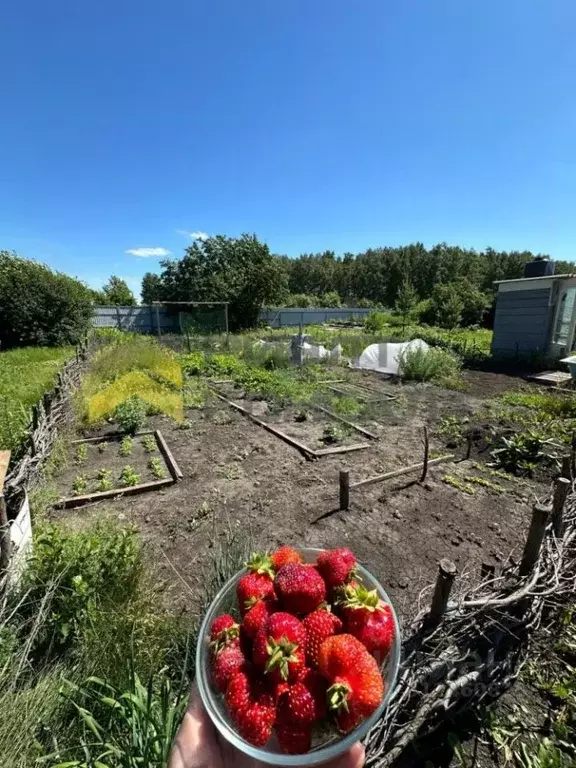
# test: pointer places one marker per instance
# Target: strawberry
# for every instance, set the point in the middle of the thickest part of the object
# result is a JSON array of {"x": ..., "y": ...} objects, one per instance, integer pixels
[
  {"x": 336, "y": 566},
  {"x": 224, "y": 663},
  {"x": 356, "y": 687},
  {"x": 284, "y": 555},
  {"x": 319, "y": 625},
  {"x": 369, "y": 619},
  {"x": 251, "y": 707},
  {"x": 255, "y": 617},
  {"x": 257, "y": 584},
  {"x": 294, "y": 739},
  {"x": 279, "y": 648},
  {"x": 300, "y": 588},
  {"x": 224, "y": 631},
  {"x": 304, "y": 702}
]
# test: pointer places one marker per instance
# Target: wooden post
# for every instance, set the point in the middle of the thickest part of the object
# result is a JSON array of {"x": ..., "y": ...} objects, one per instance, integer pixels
[
  {"x": 5, "y": 540},
  {"x": 426, "y": 453},
  {"x": 567, "y": 467},
  {"x": 226, "y": 320},
  {"x": 118, "y": 318},
  {"x": 446, "y": 575},
  {"x": 47, "y": 402},
  {"x": 344, "y": 489},
  {"x": 561, "y": 489},
  {"x": 158, "y": 322},
  {"x": 35, "y": 417},
  {"x": 540, "y": 515},
  {"x": 487, "y": 571}
]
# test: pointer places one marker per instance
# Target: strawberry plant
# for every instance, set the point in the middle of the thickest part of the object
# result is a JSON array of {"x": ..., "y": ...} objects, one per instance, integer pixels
[
  {"x": 149, "y": 444},
  {"x": 157, "y": 468},
  {"x": 126, "y": 446},
  {"x": 81, "y": 454},
  {"x": 105, "y": 480},
  {"x": 79, "y": 485},
  {"x": 129, "y": 476},
  {"x": 102, "y": 447}
]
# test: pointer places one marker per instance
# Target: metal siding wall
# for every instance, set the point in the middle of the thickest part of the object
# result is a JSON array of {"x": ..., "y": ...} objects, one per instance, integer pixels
[
  {"x": 283, "y": 317},
  {"x": 521, "y": 321}
]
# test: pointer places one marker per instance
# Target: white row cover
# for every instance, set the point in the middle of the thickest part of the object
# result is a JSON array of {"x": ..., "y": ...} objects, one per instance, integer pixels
[{"x": 385, "y": 358}]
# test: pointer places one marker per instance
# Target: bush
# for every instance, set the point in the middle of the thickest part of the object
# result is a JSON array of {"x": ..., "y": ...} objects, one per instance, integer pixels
[
  {"x": 377, "y": 321},
  {"x": 419, "y": 364},
  {"x": 40, "y": 307},
  {"x": 72, "y": 575},
  {"x": 131, "y": 414},
  {"x": 445, "y": 307}
]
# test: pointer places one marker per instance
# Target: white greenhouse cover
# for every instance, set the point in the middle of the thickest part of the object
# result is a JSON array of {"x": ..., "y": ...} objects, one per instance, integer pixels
[{"x": 384, "y": 358}]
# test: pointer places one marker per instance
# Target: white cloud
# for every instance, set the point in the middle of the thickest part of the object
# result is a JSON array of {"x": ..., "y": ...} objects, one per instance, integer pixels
[
  {"x": 194, "y": 235},
  {"x": 146, "y": 253}
]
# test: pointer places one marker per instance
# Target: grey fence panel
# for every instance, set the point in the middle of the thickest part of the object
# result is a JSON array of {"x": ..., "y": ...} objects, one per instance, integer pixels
[{"x": 143, "y": 319}]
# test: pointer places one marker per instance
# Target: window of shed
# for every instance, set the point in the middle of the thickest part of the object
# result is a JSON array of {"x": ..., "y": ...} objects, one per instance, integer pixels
[{"x": 564, "y": 316}]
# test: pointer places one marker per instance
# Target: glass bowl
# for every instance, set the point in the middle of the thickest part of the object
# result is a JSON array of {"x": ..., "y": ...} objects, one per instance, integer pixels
[{"x": 333, "y": 744}]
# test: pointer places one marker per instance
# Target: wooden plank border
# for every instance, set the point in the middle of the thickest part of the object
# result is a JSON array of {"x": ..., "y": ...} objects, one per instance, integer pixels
[
  {"x": 130, "y": 490},
  {"x": 168, "y": 457},
  {"x": 351, "y": 424}
]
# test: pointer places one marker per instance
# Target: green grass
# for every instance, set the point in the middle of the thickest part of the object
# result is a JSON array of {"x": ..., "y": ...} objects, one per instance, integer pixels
[{"x": 25, "y": 374}]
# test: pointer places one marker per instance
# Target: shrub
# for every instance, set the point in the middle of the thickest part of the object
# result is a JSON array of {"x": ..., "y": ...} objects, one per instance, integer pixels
[
  {"x": 40, "y": 307},
  {"x": 157, "y": 396},
  {"x": 377, "y": 321},
  {"x": 71, "y": 575},
  {"x": 131, "y": 414},
  {"x": 421, "y": 364},
  {"x": 445, "y": 307}
]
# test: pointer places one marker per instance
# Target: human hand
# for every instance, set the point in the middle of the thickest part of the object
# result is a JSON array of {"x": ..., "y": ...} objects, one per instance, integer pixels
[{"x": 197, "y": 746}]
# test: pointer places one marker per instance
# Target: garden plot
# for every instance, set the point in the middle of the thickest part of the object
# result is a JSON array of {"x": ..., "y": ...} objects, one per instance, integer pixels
[{"x": 115, "y": 465}]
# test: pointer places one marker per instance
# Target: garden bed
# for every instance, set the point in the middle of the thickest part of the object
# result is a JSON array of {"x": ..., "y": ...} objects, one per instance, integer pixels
[{"x": 112, "y": 465}]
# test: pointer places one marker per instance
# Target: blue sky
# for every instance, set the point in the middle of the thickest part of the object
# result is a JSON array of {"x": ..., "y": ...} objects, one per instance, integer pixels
[{"x": 314, "y": 123}]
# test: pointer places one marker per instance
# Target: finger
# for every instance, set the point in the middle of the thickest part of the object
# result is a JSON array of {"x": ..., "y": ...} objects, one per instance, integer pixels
[{"x": 195, "y": 745}]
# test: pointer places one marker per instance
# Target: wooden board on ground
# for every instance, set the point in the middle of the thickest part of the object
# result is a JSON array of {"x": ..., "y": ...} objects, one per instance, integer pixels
[
  {"x": 551, "y": 378},
  {"x": 4, "y": 461}
]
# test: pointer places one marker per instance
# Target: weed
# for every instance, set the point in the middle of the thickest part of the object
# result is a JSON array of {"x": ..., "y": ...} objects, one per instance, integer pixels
[
  {"x": 333, "y": 433},
  {"x": 300, "y": 416},
  {"x": 104, "y": 480},
  {"x": 455, "y": 482},
  {"x": 195, "y": 393},
  {"x": 149, "y": 443},
  {"x": 230, "y": 472},
  {"x": 185, "y": 425},
  {"x": 451, "y": 428},
  {"x": 81, "y": 454},
  {"x": 524, "y": 451},
  {"x": 102, "y": 447},
  {"x": 129, "y": 476},
  {"x": 130, "y": 415},
  {"x": 157, "y": 468},
  {"x": 482, "y": 481},
  {"x": 561, "y": 406},
  {"x": 221, "y": 417},
  {"x": 79, "y": 485},
  {"x": 420, "y": 364},
  {"x": 126, "y": 446},
  {"x": 134, "y": 353},
  {"x": 346, "y": 406}
]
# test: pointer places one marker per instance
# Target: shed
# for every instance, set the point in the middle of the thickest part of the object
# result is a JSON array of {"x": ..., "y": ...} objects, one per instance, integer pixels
[{"x": 535, "y": 315}]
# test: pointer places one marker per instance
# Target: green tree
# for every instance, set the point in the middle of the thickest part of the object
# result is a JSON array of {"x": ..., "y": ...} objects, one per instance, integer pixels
[
  {"x": 240, "y": 270},
  {"x": 445, "y": 306},
  {"x": 151, "y": 288},
  {"x": 330, "y": 299},
  {"x": 40, "y": 307},
  {"x": 406, "y": 300},
  {"x": 117, "y": 292}
]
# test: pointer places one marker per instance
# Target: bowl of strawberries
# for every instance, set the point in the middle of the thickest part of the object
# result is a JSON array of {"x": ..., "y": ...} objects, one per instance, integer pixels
[{"x": 298, "y": 655}]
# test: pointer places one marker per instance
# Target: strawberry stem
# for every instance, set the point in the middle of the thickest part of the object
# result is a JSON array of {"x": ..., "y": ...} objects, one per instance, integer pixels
[
  {"x": 261, "y": 563},
  {"x": 337, "y": 697}
]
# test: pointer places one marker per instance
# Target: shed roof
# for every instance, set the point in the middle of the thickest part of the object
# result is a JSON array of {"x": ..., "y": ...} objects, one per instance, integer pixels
[{"x": 531, "y": 279}]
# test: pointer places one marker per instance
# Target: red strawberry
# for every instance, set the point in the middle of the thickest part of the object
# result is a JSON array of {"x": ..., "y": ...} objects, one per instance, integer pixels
[
  {"x": 319, "y": 625},
  {"x": 224, "y": 631},
  {"x": 279, "y": 648},
  {"x": 369, "y": 619},
  {"x": 336, "y": 566},
  {"x": 229, "y": 660},
  {"x": 257, "y": 584},
  {"x": 255, "y": 618},
  {"x": 304, "y": 702},
  {"x": 284, "y": 555},
  {"x": 356, "y": 687},
  {"x": 251, "y": 707},
  {"x": 294, "y": 739},
  {"x": 300, "y": 588}
]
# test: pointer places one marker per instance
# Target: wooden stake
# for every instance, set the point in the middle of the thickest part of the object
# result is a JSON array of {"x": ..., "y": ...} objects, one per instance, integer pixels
[
  {"x": 487, "y": 571},
  {"x": 47, "y": 402},
  {"x": 400, "y": 472},
  {"x": 5, "y": 540},
  {"x": 540, "y": 515},
  {"x": 426, "y": 452},
  {"x": 446, "y": 575},
  {"x": 35, "y": 417},
  {"x": 561, "y": 489},
  {"x": 567, "y": 467},
  {"x": 344, "y": 489}
]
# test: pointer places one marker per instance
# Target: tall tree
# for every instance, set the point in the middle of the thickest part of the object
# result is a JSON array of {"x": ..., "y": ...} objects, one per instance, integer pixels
[
  {"x": 240, "y": 270},
  {"x": 406, "y": 300},
  {"x": 151, "y": 288},
  {"x": 117, "y": 292}
]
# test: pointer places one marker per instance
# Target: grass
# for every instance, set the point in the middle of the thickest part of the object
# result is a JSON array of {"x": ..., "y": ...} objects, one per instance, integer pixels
[
  {"x": 420, "y": 364},
  {"x": 25, "y": 374},
  {"x": 156, "y": 395}
]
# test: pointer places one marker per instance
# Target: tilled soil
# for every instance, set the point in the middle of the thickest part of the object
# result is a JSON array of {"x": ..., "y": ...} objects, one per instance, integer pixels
[{"x": 239, "y": 479}]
